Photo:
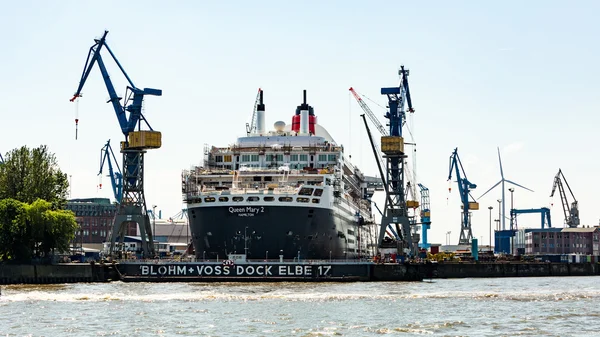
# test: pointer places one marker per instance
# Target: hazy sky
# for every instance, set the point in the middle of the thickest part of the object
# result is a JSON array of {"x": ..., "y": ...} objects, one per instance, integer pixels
[{"x": 521, "y": 75}]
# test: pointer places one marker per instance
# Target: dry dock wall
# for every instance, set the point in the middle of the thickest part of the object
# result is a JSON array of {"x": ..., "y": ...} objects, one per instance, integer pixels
[
  {"x": 61, "y": 273},
  {"x": 462, "y": 270},
  {"x": 71, "y": 273}
]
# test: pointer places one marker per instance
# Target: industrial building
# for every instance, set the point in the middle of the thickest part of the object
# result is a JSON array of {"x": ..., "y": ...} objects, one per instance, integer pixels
[
  {"x": 584, "y": 241},
  {"x": 95, "y": 219}
]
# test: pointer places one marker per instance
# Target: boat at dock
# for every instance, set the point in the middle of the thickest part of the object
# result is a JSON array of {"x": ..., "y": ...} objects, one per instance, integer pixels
[{"x": 290, "y": 192}]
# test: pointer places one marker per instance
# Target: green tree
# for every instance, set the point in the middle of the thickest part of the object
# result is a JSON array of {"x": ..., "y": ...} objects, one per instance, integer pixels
[
  {"x": 31, "y": 174},
  {"x": 14, "y": 234},
  {"x": 33, "y": 230}
]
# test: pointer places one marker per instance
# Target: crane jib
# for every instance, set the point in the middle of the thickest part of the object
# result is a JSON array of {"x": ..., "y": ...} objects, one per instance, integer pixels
[{"x": 133, "y": 102}]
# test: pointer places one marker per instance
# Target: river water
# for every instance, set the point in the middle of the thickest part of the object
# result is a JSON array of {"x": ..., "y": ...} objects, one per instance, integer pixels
[{"x": 567, "y": 306}]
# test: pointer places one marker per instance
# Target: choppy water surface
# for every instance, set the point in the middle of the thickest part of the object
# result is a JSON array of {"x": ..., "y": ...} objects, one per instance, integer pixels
[{"x": 461, "y": 307}]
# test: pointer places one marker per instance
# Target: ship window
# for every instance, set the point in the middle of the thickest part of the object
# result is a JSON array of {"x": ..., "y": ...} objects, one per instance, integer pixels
[
  {"x": 245, "y": 158},
  {"x": 306, "y": 191},
  {"x": 316, "y": 201},
  {"x": 279, "y": 157},
  {"x": 227, "y": 158},
  {"x": 304, "y": 157},
  {"x": 270, "y": 157},
  {"x": 294, "y": 157},
  {"x": 302, "y": 199},
  {"x": 254, "y": 157},
  {"x": 223, "y": 199},
  {"x": 351, "y": 232},
  {"x": 318, "y": 192},
  {"x": 332, "y": 157},
  {"x": 286, "y": 199},
  {"x": 209, "y": 199},
  {"x": 322, "y": 157},
  {"x": 219, "y": 159},
  {"x": 237, "y": 199},
  {"x": 350, "y": 241},
  {"x": 269, "y": 199},
  {"x": 252, "y": 199}
]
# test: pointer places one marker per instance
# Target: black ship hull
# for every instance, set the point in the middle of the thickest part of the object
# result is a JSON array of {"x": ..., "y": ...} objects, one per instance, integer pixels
[{"x": 265, "y": 232}]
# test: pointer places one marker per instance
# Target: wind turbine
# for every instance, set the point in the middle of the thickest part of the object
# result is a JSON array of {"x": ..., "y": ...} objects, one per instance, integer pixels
[{"x": 502, "y": 180}]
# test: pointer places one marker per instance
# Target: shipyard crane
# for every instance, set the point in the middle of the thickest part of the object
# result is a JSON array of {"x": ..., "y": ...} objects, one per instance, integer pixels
[
  {"x": 425, "y": 216},
  {"x": 116, "y": 177},
  {"x": 133, "y": 203},
  {"x": 571, "y": 212},
  {"x": 396, "y": 211},
  {"x": 251, "y": 127},
  {"x": 464, "y": 189},
  {"x": 392, "y": 145}
]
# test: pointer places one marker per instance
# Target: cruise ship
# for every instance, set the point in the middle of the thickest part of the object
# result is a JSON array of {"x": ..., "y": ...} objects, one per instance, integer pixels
[{"x": 286, "y": 193}]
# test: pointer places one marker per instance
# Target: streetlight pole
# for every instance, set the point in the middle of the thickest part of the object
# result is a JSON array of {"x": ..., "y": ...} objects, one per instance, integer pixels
[
  {"x": 490, "y": 208},
  {"x": 511, "y": 190},
  {"x": 512, "y": 240},
  {"x": 448, "y": 237}
]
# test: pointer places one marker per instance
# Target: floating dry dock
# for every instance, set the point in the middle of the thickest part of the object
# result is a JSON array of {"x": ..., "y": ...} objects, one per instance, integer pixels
[
  {"x": 164, "y": 271},
  {"x": 264, "y": 272}
]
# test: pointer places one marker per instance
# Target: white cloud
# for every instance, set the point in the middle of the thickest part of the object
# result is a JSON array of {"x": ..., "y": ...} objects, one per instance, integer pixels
[{"x": 513, "y": 147}]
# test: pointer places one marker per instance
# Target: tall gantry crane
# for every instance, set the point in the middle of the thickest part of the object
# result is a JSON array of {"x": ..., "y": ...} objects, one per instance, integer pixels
[
  {"x": 133, "y": 203},
  {"x": 396, "y": 210},
  {"x": 392, "y": 145},
  {"x": 571, "y": 212},
  {"x": 425, "y": 216},
  {"x": 464, "y": 189},
  {"x": 379, "y": 158},
  {"x": 116, "y": 177}
]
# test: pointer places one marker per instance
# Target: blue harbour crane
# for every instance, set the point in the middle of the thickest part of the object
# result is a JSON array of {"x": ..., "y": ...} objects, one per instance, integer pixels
[
  {"x": 425, "y": 216},
  {"x": 116, "y": 177},
  {"x": 464, "y": 189},
  {"x": 392, "y": 145},
  {"x": 136, "y": 141}
]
